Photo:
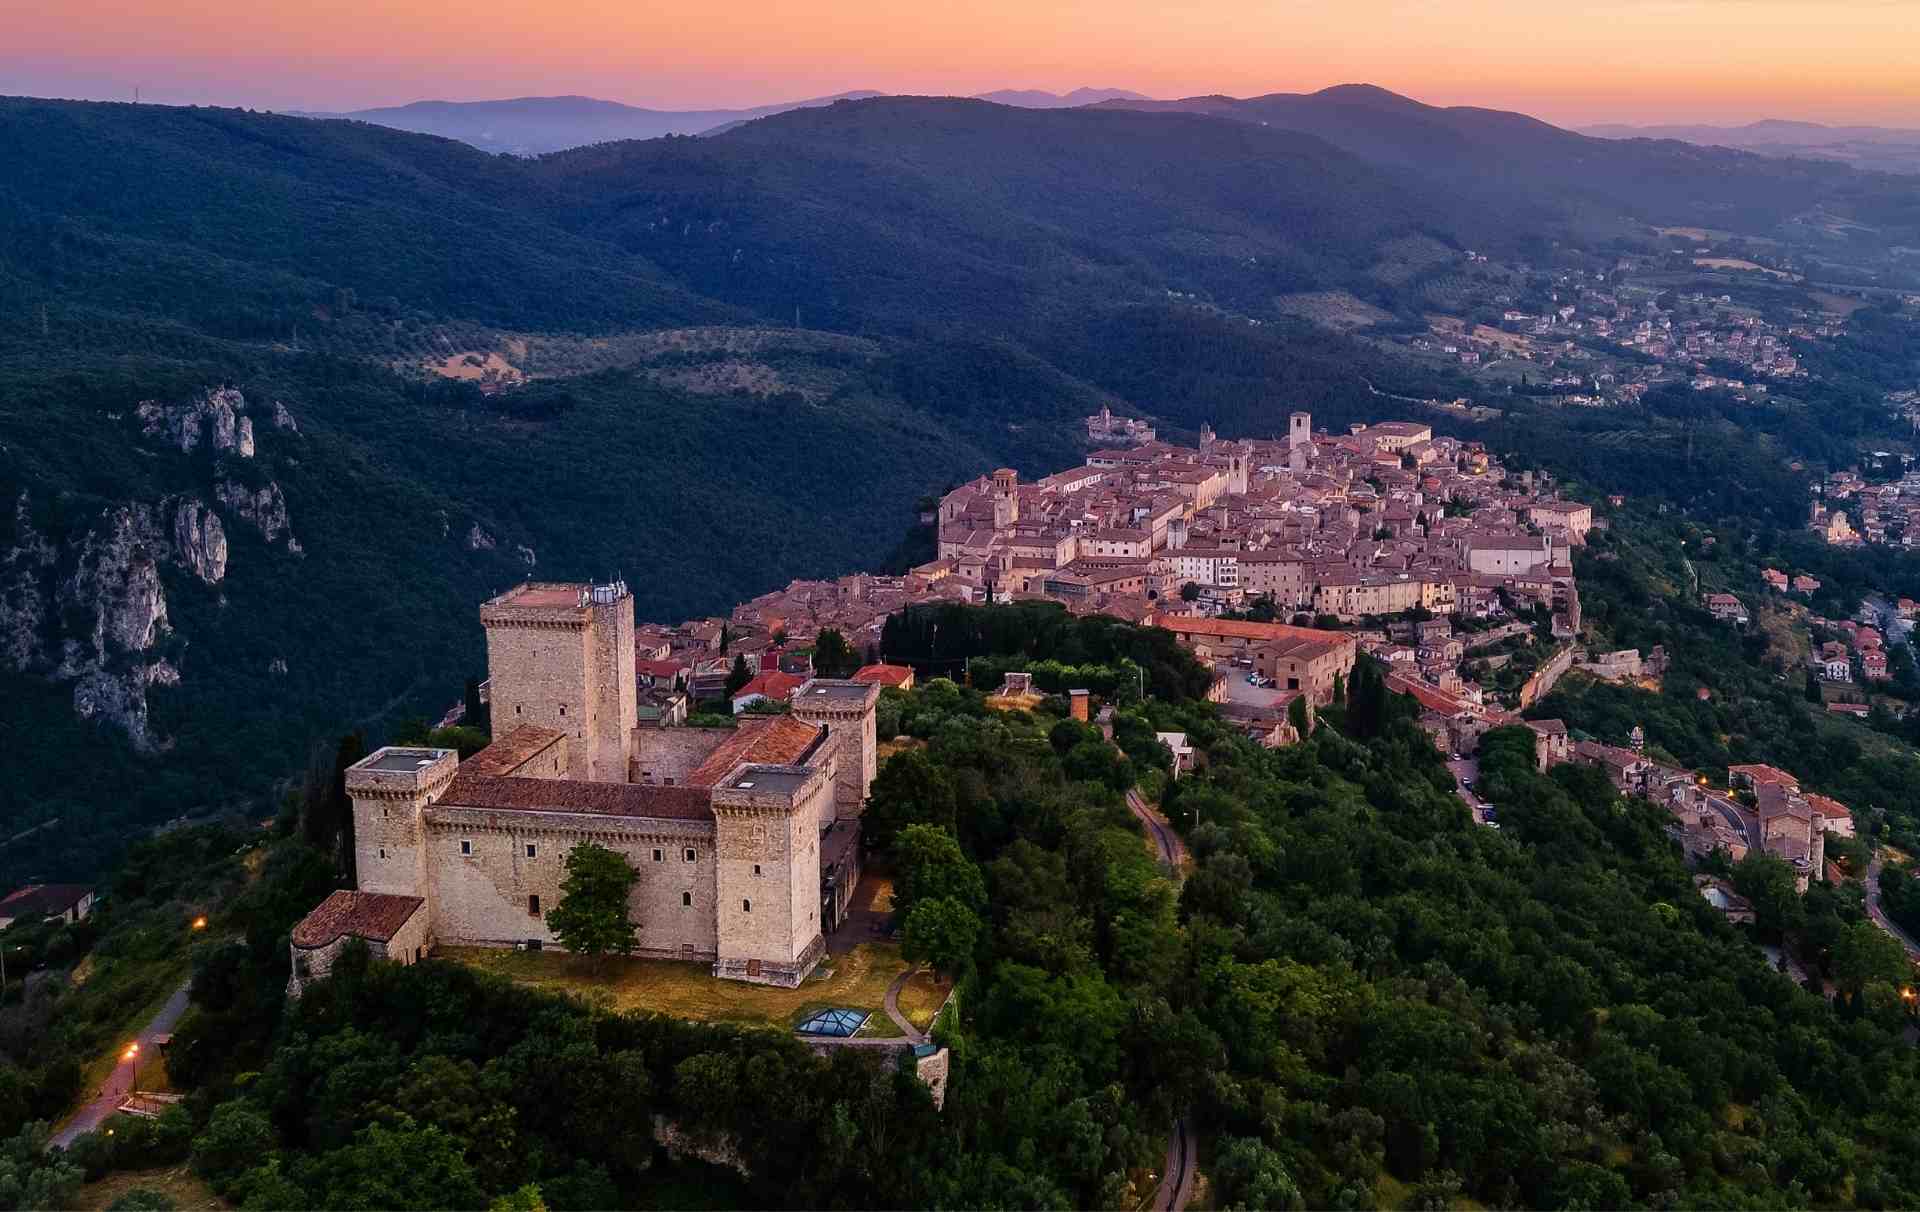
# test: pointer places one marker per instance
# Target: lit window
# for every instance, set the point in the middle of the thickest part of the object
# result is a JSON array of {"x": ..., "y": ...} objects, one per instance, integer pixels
[
  {"x": 466, "y": 847},
  {"x": 533, "y": 906}
]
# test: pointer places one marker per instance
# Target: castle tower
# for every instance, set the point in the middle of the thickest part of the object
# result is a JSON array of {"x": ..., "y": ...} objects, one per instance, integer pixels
[
  {"x": 1207, "y": 436},
  {"x": 1299, "y": 430},
  {"x": 846, "y": 710},
  {"x": 561, "y": 656},
  {"x": 390, "y": 788},
  {"x": 767, "y": 872}
]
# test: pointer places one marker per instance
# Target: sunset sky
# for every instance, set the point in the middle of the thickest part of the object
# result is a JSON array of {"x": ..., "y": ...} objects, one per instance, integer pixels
[{"x": 1569, "y": 61}]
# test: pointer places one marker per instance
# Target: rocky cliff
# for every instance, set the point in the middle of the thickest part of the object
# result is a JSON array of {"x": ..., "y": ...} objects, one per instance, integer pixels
[{"x": 89, "y": 606}]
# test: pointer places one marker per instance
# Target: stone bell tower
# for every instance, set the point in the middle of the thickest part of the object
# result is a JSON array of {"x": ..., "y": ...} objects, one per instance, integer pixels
[{"x": 846, "y": 710}]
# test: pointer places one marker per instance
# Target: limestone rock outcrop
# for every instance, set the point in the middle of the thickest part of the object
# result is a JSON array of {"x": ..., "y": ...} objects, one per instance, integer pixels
[
  {"x": 214, "y": 418},
  {"x": 264, "y": 508}
]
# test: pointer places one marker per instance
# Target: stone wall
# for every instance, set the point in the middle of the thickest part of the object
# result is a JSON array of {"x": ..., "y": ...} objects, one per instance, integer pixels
[
  {"x": 612, "y": 698},
  {"x": 480, "y": 894},
  {"x": 387, "y": 833},
  {"x": 538, "y": 670},
  {"x": 768, "y": 879},
  {"x": 666, "y": 756}
]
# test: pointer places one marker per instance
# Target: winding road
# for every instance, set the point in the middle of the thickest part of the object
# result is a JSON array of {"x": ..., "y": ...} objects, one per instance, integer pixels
[
  {"x": 1183, "y": 1145},
  {"x": 1879, "y": 915}
]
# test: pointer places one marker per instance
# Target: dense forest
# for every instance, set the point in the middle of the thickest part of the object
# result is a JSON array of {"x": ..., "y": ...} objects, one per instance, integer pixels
[{"x": 1360, "y": 996}]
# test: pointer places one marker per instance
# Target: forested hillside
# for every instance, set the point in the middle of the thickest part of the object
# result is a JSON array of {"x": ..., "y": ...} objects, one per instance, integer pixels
[
  {"x": 709, "y": 364},
  {"x": 1358, "y": 995}
]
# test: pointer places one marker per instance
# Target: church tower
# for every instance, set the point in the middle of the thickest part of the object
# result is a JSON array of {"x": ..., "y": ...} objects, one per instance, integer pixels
[{"x": 1299, "y": 430}]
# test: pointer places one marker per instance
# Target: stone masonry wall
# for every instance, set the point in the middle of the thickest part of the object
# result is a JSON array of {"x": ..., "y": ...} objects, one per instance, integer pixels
[
  {"x": 481, "y": 892},
  {"x": 668, "y": 755},
  {"x": 768, "y": 880},
  {"x": 539, "y": 676}
]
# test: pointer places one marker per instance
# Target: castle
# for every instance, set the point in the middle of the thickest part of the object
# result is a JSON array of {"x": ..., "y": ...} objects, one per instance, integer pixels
[{"x": 746, "y": 839}]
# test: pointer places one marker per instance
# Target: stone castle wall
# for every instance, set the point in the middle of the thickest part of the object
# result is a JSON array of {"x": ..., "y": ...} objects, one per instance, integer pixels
[
  {"x": 612, "y": 698},
  {"x": 666, "y": 756},
  {"x": 388, "y": 856},
  {"x": 481, "y": 898},
  {"x": 538, "y": 670},
  {"x": 768, "y": 879}
]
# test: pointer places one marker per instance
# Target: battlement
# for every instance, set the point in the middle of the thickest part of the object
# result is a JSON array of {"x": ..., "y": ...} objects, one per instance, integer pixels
[
  {"x": 835, "y": 696},
  {"x": 401, "y": 772},
  {"x": 550, "y": 603}
]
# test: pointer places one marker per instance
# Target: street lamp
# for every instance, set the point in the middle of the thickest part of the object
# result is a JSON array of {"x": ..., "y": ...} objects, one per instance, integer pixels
[
  {"x": 200, "y": 923},
  {"x": 133, "y": 1069}
]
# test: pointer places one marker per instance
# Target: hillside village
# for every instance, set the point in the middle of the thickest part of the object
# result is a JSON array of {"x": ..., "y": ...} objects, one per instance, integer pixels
[{"x": 1598, "y": 337}]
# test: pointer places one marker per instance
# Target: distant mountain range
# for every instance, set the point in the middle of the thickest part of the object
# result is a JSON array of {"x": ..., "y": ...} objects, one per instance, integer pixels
[
  {"x": 1881, "y": 148},
  {"x": 531, "y": 126}
]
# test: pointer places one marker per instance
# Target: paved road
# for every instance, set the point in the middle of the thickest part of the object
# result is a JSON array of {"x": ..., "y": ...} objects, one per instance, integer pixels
[
  {"x": 1173, "y": 850},
  {"x": 1739, "y": 818},
  {"x": 1879, "y": 915},
  {"x": 1176, "y": 1178},
  {"x": 1467, "y": 770},
  {"x": 119, "y": 1083},
  {"x": 1183, "y": 1144}
]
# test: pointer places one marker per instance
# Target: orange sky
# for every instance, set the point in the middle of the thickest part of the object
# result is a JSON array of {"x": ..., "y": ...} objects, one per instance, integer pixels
[{"x": 1569, "y": 61}]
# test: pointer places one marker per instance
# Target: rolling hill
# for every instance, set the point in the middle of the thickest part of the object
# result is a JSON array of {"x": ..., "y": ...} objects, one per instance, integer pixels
[
  {"x": 531, "y": 126},
  {"x": 1880, "y": 148},
  {"x": 239, "y": 513},
  {"x": 1502, "y": 157}
]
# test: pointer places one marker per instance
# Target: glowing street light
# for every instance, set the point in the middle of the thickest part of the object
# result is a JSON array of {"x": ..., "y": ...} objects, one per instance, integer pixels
[
  {"x": 200, "y": 923},
  {"x": 133, "y": 1069}
]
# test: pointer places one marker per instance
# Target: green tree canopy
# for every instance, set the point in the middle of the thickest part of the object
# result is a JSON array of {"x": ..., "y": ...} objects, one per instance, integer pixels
[{"x": 593, "y": 916}]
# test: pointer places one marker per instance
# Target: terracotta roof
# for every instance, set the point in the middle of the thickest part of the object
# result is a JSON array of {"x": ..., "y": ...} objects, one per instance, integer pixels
[
  {"x": 1830, "y": 808},
  {"x": 45, "y": 900},
  {"x": 884, "y": 675},
  {"x": 512, "y": 751},
  {"x": 377, "y": 916},
  {"x": 1760, "y": 775},
  {"x": 570, "y": 795},
  {"x": 778, "y": 740},
  {"x": 1239, "y": 629},
  {"x": 773, "y": 684}
]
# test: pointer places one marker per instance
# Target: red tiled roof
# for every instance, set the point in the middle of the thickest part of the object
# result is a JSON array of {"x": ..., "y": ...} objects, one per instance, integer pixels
[
  {"x": 569, "y": 795},
  {"x": 772, "y": 684},
  {"x": 512, "y": 751},
  {"x": 377, "y": 916},
  {"x": 1239, "y": 629},
  {"x": 884, "y": 675},
  {"x": 777, "y": 740},
  {"x": 658, "y": 669},
  {"x": 1763, "y": 774}
]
